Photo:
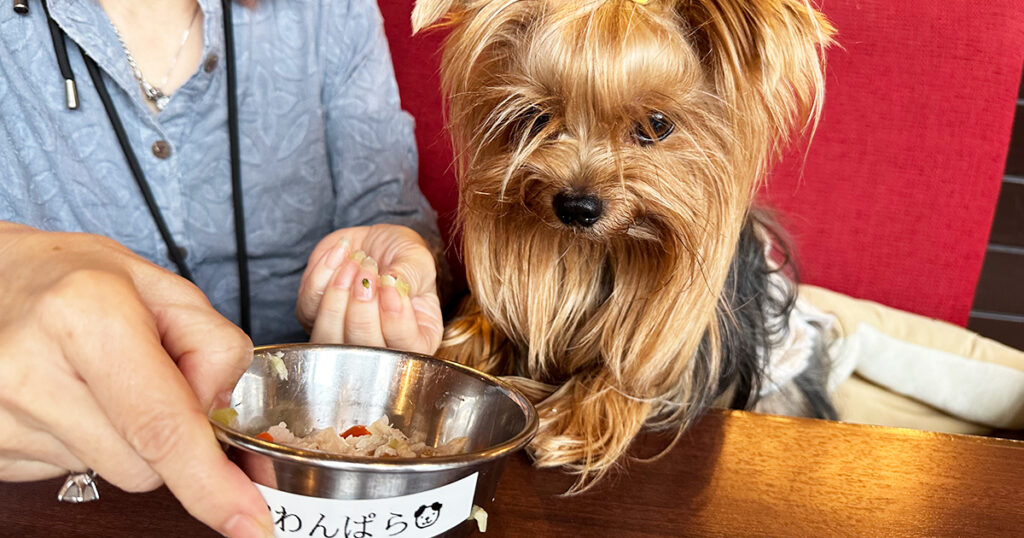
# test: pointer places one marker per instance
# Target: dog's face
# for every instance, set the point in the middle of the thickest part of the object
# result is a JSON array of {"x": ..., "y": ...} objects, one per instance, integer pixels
[
  {"x": 594, "y": 124},
  {"x": 607, "y": 154}
]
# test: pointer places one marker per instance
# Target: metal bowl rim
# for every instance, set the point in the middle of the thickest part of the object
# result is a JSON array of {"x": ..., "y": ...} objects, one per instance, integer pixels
[{"x": 237, "y": 439}]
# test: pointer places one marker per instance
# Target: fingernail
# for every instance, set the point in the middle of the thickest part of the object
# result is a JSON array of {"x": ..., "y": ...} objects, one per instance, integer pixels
[
  {"x": 390, "y": 295},
  {"x": 365, "y": 286},
  {"x": 358, "y": 256},
  {"x": 345, "y": 275},
  {"x": 337, "y": 254},
  {"x": 366, "y": 262},
  {"x": 397, "y": 283},
  {"x": 222, "y": 400},
  {"x": 402, "y": 286},
  {"x": 242, "y": 526}
]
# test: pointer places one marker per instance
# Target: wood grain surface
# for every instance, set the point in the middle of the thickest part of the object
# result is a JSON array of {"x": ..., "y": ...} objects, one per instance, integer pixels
[{"x": 733, "y": 474}]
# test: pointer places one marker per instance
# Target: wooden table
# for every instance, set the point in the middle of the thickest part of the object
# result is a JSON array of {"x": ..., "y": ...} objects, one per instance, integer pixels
[{"x": 733, "y": 474}]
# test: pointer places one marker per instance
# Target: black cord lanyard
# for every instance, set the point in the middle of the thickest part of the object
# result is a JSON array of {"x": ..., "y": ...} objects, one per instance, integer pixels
[{"x": 175, "y": 253}]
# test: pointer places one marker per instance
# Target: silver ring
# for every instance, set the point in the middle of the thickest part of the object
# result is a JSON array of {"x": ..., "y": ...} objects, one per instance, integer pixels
[{"x": 79, "y": 488}]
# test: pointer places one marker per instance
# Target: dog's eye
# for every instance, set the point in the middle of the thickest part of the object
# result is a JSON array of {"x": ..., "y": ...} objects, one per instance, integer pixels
[
  {"x": 656, "y": 129},
  {"x": 536, "y": 119},
  {"x": 530, "y": 123}
]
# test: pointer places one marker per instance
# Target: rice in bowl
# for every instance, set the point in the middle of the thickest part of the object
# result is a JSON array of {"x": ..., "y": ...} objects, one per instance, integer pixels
[{"x": 378, "y": 440}]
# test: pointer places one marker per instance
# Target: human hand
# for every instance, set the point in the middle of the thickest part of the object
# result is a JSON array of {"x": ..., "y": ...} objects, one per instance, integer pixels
[
  {"x": 109, "y": 362},
  {"x": 372, "y": 286}
]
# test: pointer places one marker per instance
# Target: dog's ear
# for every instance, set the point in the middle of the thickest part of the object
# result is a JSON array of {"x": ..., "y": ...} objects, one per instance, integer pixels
[
  {"x": 762, "y": 52},
  {"x": 428, "y": 12}
]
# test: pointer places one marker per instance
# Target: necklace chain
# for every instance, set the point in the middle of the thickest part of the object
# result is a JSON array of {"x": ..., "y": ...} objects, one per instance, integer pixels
[{"x": 153, "y": 93}]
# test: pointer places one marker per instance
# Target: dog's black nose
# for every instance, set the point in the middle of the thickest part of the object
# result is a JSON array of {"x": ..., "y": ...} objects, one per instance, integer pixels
[{"x": 576, "y": 209}]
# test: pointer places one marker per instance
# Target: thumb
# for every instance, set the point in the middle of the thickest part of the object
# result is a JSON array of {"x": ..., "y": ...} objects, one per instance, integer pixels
[
  {"x": 402, "y": 253},
  {"x": 210, "y": 351},
  {"x": 414, "y": 264}
]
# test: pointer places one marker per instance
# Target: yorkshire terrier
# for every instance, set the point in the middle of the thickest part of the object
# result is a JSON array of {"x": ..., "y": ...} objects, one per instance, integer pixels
[{"x": 608, "y": 153}]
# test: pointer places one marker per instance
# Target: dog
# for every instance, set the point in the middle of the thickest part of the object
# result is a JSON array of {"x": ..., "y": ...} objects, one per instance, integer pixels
[{"x": 608, "y": 153}]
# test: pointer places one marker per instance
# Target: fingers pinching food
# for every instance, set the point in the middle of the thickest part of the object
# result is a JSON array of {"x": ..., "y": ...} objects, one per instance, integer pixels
[
  {"x": 91, "y": 340},
  {"x": 384, "y": 294}
]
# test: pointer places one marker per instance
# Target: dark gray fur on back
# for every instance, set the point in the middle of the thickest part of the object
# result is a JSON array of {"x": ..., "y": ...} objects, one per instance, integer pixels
[{"x": 759, "y": 321}]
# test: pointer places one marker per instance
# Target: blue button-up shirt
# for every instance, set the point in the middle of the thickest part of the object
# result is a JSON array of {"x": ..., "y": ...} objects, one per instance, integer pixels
[{"x": 324, "y": 143}]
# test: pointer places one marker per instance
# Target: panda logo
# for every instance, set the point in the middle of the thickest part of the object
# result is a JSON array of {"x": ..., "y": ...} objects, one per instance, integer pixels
[{"x": 427, "y": 515}]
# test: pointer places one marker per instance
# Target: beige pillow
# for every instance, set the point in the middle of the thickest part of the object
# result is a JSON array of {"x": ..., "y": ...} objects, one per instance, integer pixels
[{"x": 916, "y": 372}]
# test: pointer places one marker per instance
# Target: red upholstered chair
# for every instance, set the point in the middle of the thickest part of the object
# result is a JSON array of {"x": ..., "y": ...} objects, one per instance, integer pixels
[{"x": 896, "y": 196}]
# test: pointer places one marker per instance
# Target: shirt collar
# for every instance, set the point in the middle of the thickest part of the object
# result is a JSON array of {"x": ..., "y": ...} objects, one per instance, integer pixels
[
  {"x": 213, "y": 34},
  {"x": 87, "y": 25}
]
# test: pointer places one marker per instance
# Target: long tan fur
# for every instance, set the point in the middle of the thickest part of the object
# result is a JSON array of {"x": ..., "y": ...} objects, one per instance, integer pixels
[{"x": 602, "y": 325}]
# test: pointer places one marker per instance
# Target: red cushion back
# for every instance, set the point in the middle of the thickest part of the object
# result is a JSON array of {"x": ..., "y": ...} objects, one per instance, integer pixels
[
  {"x": 898, "y": 191},
  {"x": 417, "y": 61},
  {"x": 896, "y": 195}
]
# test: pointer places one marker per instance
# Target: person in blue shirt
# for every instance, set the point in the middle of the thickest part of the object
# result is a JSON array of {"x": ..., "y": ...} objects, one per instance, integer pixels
[{"x": 109, "y": 359}]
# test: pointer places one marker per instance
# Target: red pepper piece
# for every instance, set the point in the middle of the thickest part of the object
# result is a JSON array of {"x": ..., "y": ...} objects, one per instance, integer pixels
[
  {"x": 355, "y": 431},
  {"x": 266, "y": 437}
]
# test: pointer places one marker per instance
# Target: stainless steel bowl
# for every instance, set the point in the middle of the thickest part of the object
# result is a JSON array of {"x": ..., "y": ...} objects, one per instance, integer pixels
[{"x": 338, "y": 386}]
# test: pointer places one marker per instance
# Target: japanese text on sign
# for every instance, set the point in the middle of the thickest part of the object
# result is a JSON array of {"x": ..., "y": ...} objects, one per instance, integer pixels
[{"x": 423, "y": 514}]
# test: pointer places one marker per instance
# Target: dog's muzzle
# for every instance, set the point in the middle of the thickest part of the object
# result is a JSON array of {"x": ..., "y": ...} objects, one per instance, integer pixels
[{"x": 577, "y": 209}]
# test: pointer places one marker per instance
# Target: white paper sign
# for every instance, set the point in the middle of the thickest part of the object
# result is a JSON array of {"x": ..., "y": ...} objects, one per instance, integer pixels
[{"x": 423, "y": 514}]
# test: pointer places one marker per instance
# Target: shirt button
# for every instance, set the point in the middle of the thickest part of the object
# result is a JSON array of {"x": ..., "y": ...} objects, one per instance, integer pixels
[
  {"x": 211, "y": 63},
  {"x": 161, "y": 149}
]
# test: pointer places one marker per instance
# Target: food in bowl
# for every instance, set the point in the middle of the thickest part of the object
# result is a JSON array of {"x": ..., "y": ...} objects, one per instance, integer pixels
[
  {"x": 379, "y": 440},
  {"x": 428, "y": 400}
]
